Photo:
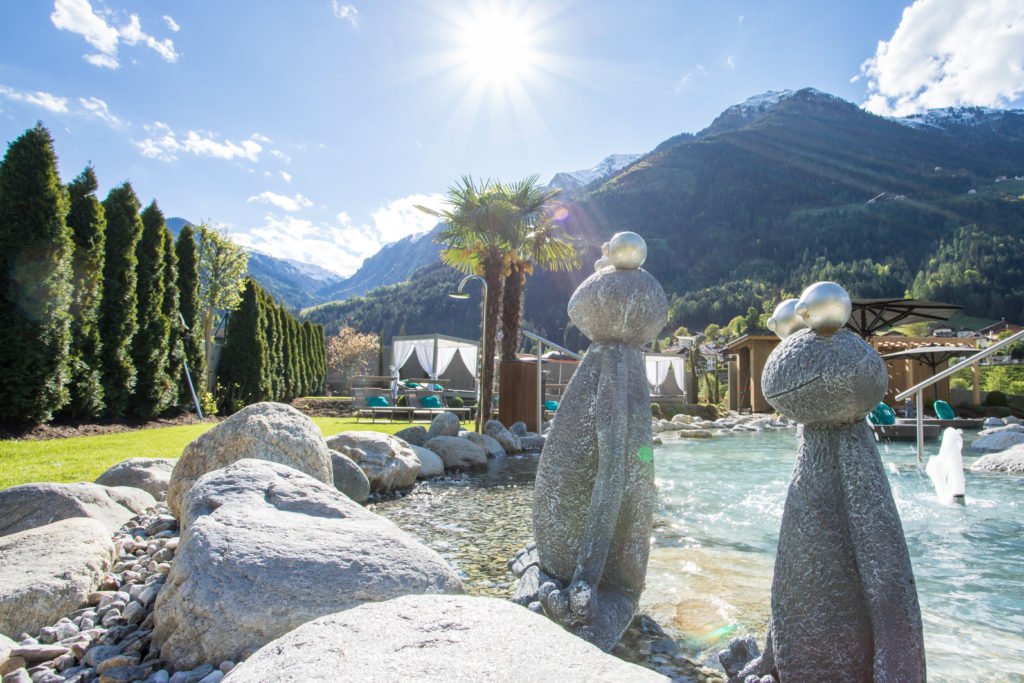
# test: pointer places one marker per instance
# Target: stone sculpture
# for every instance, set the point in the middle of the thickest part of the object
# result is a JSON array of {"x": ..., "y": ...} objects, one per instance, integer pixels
[
  {"x": 844, "y": 601},
  {"x": 594, "y": 493}
]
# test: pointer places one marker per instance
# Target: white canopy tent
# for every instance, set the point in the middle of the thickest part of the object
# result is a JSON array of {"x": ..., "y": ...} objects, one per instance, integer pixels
[
  {"x": 659, "y": 366},
  {"x": 434, "y": 353}
]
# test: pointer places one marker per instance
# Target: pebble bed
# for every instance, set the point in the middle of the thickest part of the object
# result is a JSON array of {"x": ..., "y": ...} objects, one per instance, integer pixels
[
  {"x": 477, "y": 522},
  {"x": 109, "y": 640}
]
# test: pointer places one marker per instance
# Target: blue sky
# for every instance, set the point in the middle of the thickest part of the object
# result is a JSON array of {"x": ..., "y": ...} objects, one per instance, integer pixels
[{"x": 310, "y": 129}]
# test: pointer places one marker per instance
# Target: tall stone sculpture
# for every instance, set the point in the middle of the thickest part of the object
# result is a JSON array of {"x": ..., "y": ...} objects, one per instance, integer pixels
[
  {"x": 594, "y": 493},
  {"x": 844, "y": 602}
]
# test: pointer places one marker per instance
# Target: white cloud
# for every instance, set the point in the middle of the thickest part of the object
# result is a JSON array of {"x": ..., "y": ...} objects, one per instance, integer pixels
[
  {"x": 286, "y": 176},
  {"x": 39, "y": 98},
  {"x": 78, "y": 16},
  {"x": 164, "y": 144},
  {"x": 100, "y": 110},
  {"x": 102, "y": 61},
  {"x": 345, "y": 12},
  {"x": 730, "y": 62},
  {"x": 949, "y": 53},
  {"x": 341, "y": 245},
  {"x": 697, "y": 71},
  {"x": 283, "y": 202},
  {"x": 281, "y": 155},
  {"x": 171, "y": 23}
]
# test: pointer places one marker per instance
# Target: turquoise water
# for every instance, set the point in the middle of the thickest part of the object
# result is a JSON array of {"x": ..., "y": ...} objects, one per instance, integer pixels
[{"x": 720, "y": 506}]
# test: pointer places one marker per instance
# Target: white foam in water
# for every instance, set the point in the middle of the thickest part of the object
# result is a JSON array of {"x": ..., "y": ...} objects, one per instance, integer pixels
[{"x": 946, "y": 470}]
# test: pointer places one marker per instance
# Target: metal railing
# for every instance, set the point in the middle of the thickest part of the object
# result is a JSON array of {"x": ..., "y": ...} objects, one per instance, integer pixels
[
  {"x": 918, "y": 388},
  {"x": 541, "y": 343}
]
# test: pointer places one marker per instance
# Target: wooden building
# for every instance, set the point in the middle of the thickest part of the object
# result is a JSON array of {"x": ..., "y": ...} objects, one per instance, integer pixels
[{"x": 747, "y": 357}]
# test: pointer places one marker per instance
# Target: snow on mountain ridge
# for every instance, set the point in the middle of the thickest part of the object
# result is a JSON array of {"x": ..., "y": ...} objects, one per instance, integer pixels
[
  {"x": 609, "y": 165},
  {"x": 941, "y": 118}
]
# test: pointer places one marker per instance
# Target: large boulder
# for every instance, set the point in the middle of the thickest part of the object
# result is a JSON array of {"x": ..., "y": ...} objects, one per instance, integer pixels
[
  {"x": 48, "y": 571},
  {"x": 431, "y": 464},
  {"x": 1011, "y": 460},
  {"x": 33, "y": 505},
  {"x": 461, "y": 454},
  {"x": 414, "y": 436},
  {"x": 388, "y": 462},
  {"x": 444, "y": 424},
  {"x": 508, "y": 440},
  {"x": 349, "y": 478},
  {"x": 267, "y": 548},
  {"x": 488, "y": 443},
  {"x": 435, "y": 637},
  {"x": 264, "y": 431},
  {"x": 152, "y": 475},
  {"x": 998, "y": 439}
]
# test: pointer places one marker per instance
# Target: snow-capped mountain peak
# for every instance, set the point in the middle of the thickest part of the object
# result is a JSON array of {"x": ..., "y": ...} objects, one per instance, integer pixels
[{"x": 569, "y": 181}]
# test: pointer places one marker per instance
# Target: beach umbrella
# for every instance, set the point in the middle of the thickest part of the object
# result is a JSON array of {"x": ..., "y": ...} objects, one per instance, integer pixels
[
  {"x": 871, "y": 315},
  {"x": 933, "y": 357}
]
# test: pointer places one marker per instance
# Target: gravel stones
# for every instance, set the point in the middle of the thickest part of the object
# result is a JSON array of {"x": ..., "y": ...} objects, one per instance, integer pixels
[
  {"x": 33, "y": 505},
  {"x": 461, "y": 454},
  {"x": 48, "y": 571},
  {"x": 388, "y": 462},
  {"x": 265, "y": 431},
  {"x": 349, "y": 478},
  {"x": 444, "y": 424},
  {"x": 267, "y": 548},
  {"x": 152, "y": 475},
  {"x": 418, "y": 637}
]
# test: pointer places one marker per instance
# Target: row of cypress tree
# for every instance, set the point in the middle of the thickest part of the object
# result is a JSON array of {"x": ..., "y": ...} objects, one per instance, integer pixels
[
  {"x": 268, "y": 354},
  {"x": 93, "y": 296}
]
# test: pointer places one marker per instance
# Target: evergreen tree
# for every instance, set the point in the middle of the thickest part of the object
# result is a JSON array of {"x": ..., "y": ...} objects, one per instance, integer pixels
[
  {"x": 292, "y": 356},
  {"x": 306, "y": 368},
  {"x": 88, "y": 227},
  {"x": 280, "y": 370},
  {"x": 189, "y": 307},
  {"x": 149, "y": 346},
  {"x": 320, "y": 344},
  {"x": 118, "y": 321},
  {"x": 176, "y": 339},
  {"x": 35, "y": 280},
  {"x": 243, "y": 364}
]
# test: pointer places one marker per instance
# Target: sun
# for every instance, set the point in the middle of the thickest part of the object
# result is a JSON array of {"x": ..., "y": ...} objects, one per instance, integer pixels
[{"x": 497, "y": 46}]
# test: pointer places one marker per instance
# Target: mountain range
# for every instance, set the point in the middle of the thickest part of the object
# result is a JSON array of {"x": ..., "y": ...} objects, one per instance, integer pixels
[{"x": 779, "y": 191}]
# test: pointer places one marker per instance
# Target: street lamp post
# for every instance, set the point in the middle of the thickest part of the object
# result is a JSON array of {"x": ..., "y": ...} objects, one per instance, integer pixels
[{"x": 459, "y": 294}]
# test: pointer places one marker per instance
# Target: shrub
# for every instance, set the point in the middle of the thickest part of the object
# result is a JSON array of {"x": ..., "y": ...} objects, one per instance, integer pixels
[
  {"x": 996, "y": 398},
  {"x": 456, "y": 402},
  {"x": 402, "y": 401},
  {"x": 656, "y": 410}
]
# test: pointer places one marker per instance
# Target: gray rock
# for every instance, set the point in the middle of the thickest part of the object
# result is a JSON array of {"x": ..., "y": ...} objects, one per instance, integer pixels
[
  {"x": 267, "y": 548},
  {"x": 1012, "y": 420},
  {"x": 349, "y": 478},
  {"x": 33, "y": 654},
  {"x": 1011, "y": 460},
  {"x": 213, "y": 677},
  {"x": 6, "y": 646},
  {"x": 844, "y": 601},
  {"x": 34, "y": 505},
  {"x": 193, "y": 675},
  {"x": 458, "y": 454},
  {"x": 152, "y": 475},
  {"x": 996, "y": 439},
  {"x": 990, "y": 422},
  {"x": 488, "y": 443},
  {"x": 532, "y": 443},
  {"x": 264, "y": 431},
  {"x": 508, "y": 441},
  {"x": 126, "y": 674},
  {"x": 415, "y": 436},
  {"x": 50, "y": 571},
  {"x": 518, "y": 428},
  {"x": 431, "y": 464},
  {"x": 594, "y": 494},
  {"x": 159, "y": 676},
  {"x": 694, "y": 434},
  {"x": 741, "y": 651},
  {"x": 443, "y": 424},
  {"x": 431, "y": 637},
  {"x": 18, "y": 676},
  {"x": 388, "y": 462}
]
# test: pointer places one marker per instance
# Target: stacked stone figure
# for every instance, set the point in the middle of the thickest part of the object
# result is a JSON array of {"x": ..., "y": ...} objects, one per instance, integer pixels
[
  {"x": 594, "y": 493},
  {"x": 844, "y": 602}
]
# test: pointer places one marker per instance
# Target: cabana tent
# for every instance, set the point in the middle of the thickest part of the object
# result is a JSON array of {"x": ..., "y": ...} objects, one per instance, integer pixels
[
  {"x": 666, "y": 374},
  {"x": 436, "y": 356}
]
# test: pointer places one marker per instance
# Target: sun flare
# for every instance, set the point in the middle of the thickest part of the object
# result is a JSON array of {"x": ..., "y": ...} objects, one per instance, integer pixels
[{"x": 497, "y": 46}]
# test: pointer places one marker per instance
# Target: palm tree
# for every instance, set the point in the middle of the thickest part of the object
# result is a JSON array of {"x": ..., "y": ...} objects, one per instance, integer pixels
[
  {"x": 534, "y": 241},
  {"x": 479, "y": 226}
]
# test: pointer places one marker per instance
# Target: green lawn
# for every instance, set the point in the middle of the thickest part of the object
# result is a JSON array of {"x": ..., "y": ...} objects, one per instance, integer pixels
[{"x": 84, "y": 458}]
